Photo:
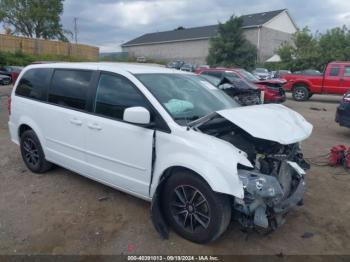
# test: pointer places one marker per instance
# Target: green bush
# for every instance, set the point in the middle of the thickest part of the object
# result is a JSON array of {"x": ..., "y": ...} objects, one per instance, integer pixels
[{"x": 22, "y": 59}]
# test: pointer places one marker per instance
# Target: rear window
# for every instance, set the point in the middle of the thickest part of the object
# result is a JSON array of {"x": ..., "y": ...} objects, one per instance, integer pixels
[
  {"x": 347, "y": 71},
  {"x": 69, "y": 88},
  {"x": 33, "y": 83},
  {"x": 216, "y": 74}
]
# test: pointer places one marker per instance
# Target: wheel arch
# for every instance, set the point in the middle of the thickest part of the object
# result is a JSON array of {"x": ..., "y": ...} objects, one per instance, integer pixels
[
  {"x": 27, "y": 124},
  {"x": 301, "y": 83},
  {"x": 218, "y": 185}
]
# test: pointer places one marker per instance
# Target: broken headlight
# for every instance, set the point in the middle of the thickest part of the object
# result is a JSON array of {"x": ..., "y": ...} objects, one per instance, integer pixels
[{"x": 259, "y": 184}]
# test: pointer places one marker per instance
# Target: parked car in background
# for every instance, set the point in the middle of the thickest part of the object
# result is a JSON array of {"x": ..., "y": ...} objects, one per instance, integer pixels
[
  {"x": 308, "y": 72},
  {"x": 243, "y": 92},
  {"x": 202, "y": 67},
  {"x": 141, "y": 59},
  {"x": 272, "y": 88},
  {"x": 280, "y": 73},
  {"x": 262, "y": 73},
  {"x": 175, "y": 64},
  {"x": 343, "y": 111},
  {"x": 334, "y": 80},
  {"x": 11, "y": 71},
  {"x": 188, "y": 67},
  {"x": 5, "y": 80},
  {"x": 167, "y": 137}
]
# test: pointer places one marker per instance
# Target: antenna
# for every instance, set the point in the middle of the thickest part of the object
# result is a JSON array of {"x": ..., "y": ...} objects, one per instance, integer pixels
[{"x": 76, "y": 29}]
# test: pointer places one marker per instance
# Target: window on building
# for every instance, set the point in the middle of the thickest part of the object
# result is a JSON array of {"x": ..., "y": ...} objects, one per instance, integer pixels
[{"x": 69, "y": 88}]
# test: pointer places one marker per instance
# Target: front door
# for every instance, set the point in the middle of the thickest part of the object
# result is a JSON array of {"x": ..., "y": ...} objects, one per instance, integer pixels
[
  {"x": 332, "y": 80},
  {"x": 118, "y": 153}
]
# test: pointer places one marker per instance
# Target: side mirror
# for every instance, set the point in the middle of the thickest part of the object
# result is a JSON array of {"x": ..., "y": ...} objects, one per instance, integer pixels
[{"x": 137, "y": 115}]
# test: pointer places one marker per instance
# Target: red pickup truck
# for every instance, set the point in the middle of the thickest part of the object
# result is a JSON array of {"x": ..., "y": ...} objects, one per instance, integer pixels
[{"x": 335, "y": 80}]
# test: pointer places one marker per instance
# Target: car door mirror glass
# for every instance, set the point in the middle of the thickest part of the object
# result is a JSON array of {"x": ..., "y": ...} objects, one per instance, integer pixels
[{"x": 137, "y": 115}]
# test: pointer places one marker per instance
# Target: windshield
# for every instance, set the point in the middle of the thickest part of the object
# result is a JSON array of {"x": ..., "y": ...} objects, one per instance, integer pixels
[
  {"x": 261, "y": 70},
  {"x": 248, "y": 76},
  {"x": 186, "y": 97}
]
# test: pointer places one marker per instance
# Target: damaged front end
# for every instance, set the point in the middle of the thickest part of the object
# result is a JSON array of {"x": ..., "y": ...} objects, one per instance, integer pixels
[
  {"x": 271, "y": 189},
  {"x": 274, "y": 185}
]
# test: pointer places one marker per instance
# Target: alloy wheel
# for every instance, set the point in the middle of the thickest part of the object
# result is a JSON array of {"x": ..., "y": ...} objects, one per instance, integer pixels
[
  {"x": 189, "y": 208},
  {"x": 299, "y": 94},
  {"x": 31, "y": 152}
]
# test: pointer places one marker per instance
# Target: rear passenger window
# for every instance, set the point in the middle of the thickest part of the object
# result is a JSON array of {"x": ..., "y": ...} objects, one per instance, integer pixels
[
  {"x": 115, "y": 94},
  {"x": 334, "y": 71},
  {"x": 347, "y": 71},
  {"x": 33, "y": 84},
  {"x": 213, "y": 73},
  {"x": 69, "y": 88}
]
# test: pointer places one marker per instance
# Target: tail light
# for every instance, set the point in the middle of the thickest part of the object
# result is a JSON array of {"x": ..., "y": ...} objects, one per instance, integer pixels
[{"x": 9, "y": 104}]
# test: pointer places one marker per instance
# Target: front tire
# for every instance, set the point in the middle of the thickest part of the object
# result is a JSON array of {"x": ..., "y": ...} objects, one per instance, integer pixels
[
  {"x": 301, "y": 93},
  {"x": 193, "y": 210},
  {"x": 33, "y": 154}
]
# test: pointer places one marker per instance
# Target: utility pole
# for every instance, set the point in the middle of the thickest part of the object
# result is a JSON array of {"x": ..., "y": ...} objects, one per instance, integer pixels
[{"x": 76, "y": 29}]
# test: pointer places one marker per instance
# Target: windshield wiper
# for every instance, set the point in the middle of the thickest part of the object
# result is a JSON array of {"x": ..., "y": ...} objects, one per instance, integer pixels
[{"x": 191, "y": 118}]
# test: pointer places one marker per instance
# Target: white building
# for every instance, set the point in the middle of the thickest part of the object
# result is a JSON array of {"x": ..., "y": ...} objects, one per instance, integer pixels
[{"x": 267, "y": 31}]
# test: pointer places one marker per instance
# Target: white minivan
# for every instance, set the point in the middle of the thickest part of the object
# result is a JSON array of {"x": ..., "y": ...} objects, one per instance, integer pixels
[{"x": 166, "y": 136}]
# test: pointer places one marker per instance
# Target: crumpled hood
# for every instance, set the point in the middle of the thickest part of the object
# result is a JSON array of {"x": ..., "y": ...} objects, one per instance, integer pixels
[{"x": 270, "y": 122}]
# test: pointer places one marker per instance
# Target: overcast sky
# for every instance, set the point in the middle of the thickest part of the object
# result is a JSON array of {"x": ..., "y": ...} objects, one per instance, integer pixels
[{"x": 108, "y": 23}]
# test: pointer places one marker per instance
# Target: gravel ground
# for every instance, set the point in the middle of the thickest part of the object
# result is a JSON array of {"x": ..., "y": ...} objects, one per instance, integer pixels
[{"x": 64, "y": 213}]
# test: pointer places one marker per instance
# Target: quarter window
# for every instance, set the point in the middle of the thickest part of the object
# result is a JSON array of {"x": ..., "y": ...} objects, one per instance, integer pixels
[
  {"x": 334, "y": 71},
  {"x": 347, "y": 71},
  {"x": 33, "y": 83},
  {"x": 115, "y": 94},
  {"x": 69, "y": 88}
]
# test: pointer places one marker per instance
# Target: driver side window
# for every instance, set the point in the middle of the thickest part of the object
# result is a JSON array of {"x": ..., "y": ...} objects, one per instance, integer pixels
[{"x": 115, "y": 94}]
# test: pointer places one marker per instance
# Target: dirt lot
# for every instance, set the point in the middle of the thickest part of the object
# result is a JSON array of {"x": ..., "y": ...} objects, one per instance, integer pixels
[{"x": 64, "y": 213}]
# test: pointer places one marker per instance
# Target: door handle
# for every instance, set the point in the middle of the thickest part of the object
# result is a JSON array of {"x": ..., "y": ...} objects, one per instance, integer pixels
[
  {"x": 76, "y": 121},
  {"x": 95, "y": 126}
]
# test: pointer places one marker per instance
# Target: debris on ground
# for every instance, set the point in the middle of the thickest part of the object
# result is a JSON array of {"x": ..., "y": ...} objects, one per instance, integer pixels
[
  {"x": 105, "y": 198},
  {"x": 318, "y": 109},
  {"x": 307, "y": 235}
]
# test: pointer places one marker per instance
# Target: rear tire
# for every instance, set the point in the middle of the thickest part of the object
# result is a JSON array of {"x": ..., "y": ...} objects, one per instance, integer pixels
[
  {"x": 193, "y": 210},
  {"x": 33, "y": 154},
  {"x": 301, "y": 93}
]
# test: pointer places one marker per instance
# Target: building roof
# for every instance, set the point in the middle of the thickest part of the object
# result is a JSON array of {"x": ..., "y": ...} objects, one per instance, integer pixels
[{"x": 203, "y": 32}]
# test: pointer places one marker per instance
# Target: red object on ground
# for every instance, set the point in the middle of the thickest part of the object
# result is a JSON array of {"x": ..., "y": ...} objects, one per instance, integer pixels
[
  {"x": 347, "y": 159},
  {"x": 337, "y": 155}
]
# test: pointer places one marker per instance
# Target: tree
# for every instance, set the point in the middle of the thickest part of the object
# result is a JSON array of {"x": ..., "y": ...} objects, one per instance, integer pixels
[
  {"x": 315, "y": 51},
  {"x": 335, "y": 45},
  {"x": 33, "y": 18},
  {"x": 230, "y": 47}
]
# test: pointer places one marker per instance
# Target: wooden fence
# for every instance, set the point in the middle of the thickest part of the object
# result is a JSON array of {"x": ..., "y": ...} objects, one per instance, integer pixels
[{"x": 46, "y": 47}]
